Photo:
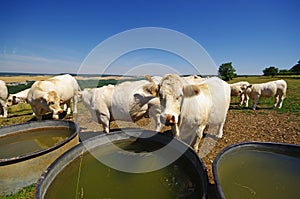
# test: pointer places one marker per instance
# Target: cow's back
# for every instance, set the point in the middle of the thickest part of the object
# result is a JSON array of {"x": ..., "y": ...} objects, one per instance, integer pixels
[{"x": 220, "y": 95}]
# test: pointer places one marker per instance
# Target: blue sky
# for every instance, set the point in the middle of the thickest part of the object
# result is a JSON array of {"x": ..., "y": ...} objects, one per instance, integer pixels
[{"x": 58, "y": 36}]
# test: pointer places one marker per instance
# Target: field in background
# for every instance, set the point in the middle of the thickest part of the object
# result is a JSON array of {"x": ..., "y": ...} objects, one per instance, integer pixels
[
  {"x": 242, "y": 124},
  {"x": 290, "y": 105}
]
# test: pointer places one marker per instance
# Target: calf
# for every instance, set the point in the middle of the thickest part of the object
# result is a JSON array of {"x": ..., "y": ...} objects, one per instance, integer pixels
[
  {"x": 276, "y": 89},
  {"x": 126, "y": 102},
  {"x": 47, "y": 96},
  {"x": 3, "y": 98},
  {"x": 237, "y": 89},
  {"x": 189, "y": 108},
  {"x": 20, "y": 97}
]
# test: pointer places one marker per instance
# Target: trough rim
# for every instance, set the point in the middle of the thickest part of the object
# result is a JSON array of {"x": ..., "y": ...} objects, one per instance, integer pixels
[
  {"x": 262, "y": 146},
  {"x": 128, "y": 133},
  {"x": 35, "y": 125}
]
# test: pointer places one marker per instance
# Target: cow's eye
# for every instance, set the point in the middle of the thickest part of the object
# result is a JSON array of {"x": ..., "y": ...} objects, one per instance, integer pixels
[{"x": 178, "y": 97}]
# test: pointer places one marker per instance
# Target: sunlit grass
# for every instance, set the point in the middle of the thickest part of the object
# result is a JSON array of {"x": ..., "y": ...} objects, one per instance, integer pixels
[{"x": 290, "y": 105}]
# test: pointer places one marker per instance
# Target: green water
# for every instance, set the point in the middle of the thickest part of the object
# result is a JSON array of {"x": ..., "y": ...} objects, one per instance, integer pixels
[
  {"x": 259, "y": 174},
  {"x": 96, "y": 180},
  {"x": 27, "y": 142}
]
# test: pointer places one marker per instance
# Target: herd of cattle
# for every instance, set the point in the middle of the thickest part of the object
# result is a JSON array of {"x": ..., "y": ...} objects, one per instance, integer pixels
[{"x": 187, "y": 104}]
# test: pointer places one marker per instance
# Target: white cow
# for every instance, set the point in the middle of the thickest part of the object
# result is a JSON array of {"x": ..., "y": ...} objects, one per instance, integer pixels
[
  {"x": 189, "y": 108},
  {"x": 46, "y": 96},
  {"x": 20, "y": 97},
  {"x": 126, "y": 102},
  {"x": 3, "y": 98},
  {"x": 238, "y": 89},
  {"x": 276, "y": 89}
]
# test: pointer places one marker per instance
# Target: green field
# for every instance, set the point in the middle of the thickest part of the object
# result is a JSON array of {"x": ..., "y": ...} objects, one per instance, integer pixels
[{"x": 290, "y": 105}]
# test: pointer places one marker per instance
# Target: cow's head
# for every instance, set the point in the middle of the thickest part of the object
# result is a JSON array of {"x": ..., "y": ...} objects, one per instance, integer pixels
[
  {"x": 247, "y": 90},
  {"x": 170, "y": 93},
  {"x": 52, "y": 101},
  {"x": 12, "y": 100},
  {"x": 243, "y": 88}
]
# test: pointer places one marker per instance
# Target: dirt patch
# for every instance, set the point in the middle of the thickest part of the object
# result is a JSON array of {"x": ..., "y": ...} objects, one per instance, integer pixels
[{"x": 241, "y": 126}]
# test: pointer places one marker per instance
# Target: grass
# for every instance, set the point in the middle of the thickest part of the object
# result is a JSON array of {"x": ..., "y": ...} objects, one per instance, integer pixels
[
  {"x": 292, "y": 102},
  {"x": 25, "y": 193}
]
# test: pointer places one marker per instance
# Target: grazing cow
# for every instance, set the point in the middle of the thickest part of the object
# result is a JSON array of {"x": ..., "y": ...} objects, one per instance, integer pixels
[
  {"x": 189, "y": 108},
  {"x": 47, "y": 96},
  {"x": 237, "y": 89},
  {"x": 20, "y": 97},
  {"x": 3, "y": 98},
  {"x": 126, "y": 102},
  {"x": 276, "y": 89}
]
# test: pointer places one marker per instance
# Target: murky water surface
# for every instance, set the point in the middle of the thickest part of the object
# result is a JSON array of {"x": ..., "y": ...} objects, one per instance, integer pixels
[
  {"x": 260, "y": 174},
  {"x": 27, "y": 142},
  {"x": 86, "y": 177}
]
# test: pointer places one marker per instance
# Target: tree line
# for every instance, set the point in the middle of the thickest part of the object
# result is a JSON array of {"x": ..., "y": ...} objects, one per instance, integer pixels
[{"x": 227, "y": 71}]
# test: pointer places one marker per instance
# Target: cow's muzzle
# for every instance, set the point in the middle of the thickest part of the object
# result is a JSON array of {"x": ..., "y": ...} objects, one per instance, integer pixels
[{"x": 168, "y": 120}]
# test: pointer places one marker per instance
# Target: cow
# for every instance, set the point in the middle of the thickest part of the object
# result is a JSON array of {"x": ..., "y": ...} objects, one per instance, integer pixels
[
  {"x": 190, "y": 108},
  {"x": 276, "y": 89},
  {"x": 126, "y": 101},
  {"x": 47, "y": 95},
  {"x": 237, "y": 89},
  {"x": 3, "y": 98},
  {"x": 20, "y": 97}
]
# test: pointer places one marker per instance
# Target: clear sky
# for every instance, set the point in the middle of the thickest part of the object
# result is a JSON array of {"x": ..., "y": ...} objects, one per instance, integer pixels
[{"x": 56, "y": 36}]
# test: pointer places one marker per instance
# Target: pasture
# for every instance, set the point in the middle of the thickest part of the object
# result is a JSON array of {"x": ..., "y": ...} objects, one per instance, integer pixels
[{"x": 242, "y": 124}]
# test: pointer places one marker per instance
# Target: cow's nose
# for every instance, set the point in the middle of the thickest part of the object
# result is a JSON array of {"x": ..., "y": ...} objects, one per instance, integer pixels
[{"x": 170, "y": 119}]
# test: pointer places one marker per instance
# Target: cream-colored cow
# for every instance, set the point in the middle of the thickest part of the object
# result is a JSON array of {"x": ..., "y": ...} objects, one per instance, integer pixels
[
  {"x": 276, "y": 89},
  {"x": 47, "y": 96}
]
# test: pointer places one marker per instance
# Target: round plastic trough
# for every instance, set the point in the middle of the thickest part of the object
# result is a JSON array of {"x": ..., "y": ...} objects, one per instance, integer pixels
[
  {"x": 258, "y": 170},
  {"x": 130, "y": 138},
  {"x": 27, "y": 149}
]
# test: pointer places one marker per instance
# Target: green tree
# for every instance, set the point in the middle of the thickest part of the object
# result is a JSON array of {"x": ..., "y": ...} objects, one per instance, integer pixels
[
  {"x": 270, "y": 71},
  {"x": 226, "y": 71},
  {"x": 296, "y": 68}
]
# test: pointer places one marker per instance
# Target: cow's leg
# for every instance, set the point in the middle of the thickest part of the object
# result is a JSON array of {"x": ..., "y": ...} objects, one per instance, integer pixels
[
  {"x": 242, "y": 98},
  {"x": 199, "y": 134},
  {"x": 246, "y": 100},
  {"x": 220, "y": 130},
  {"x": 255, "y": 101},
  {"x": 281, "y": 98},
  {"x": 75, "y": 100},
  {"x": 4, "y": 109},
  {"x": 103, "y": 118},
  {"x": 276, "y": 99},
  {"x": 68, "y": 103}
]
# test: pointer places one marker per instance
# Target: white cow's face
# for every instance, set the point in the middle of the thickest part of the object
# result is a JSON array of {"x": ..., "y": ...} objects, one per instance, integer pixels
[
  {"x": 12, "y": 100},
  {"x": 170, "y": 94},
  {"x": 243, "y": 88},
  {"x": 52, "y": 101}
]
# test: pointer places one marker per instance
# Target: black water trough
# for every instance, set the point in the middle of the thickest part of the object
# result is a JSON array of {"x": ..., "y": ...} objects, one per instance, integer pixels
[
  {"x": 132, "y": 163},
  {"x": 27, "y": 149},
  {"x": 258, "y": 170}
]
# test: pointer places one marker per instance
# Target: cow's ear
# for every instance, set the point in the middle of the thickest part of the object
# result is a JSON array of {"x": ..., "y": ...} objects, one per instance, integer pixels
[
  {"x": 249, "y": 86},
  {"x": 195, "y": 89},
  {"x": 191, "y": 90},
  {"x": 152, "y": 88}
]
